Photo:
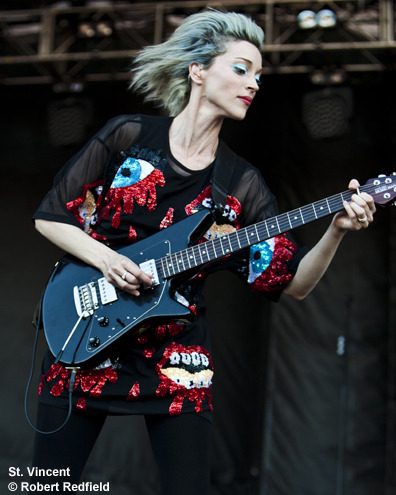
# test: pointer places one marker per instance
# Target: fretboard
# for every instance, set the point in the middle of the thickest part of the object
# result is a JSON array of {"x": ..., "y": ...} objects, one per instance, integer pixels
[{"x": 203, "y": 253}]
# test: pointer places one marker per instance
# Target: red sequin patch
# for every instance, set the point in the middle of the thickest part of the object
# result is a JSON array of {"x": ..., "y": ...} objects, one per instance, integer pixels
[
  {"x": 143, "y": 192},
  {"x": 134, "y": 392},
  {"x": 91, "y": 381},
  {"x": 167, "y": 220},
  {"x": 185, "y": 372},
  {"x": 84, "y": 207}
]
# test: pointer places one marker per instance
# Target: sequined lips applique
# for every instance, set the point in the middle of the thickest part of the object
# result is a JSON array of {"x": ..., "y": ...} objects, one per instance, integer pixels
[{"x": 185, "y": 372}]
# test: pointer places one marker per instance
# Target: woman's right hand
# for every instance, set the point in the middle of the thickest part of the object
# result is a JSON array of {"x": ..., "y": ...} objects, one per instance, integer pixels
[{"x": 125, "y": 274}]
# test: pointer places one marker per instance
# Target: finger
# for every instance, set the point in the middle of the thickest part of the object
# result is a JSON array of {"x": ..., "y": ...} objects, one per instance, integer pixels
[
  {"x": 353, "y": 184},
  {"x": 134, "y": 274}
]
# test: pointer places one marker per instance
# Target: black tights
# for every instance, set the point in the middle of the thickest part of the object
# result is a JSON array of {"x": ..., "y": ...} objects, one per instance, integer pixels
[{"x": 180, "y": 445}]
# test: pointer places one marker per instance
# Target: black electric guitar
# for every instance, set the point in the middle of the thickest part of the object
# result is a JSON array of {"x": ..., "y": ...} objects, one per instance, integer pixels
[{"x": 83, "y": 313}]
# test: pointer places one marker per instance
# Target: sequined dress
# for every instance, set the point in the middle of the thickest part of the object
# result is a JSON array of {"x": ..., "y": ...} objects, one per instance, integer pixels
[{"x": 123, "y": 186}]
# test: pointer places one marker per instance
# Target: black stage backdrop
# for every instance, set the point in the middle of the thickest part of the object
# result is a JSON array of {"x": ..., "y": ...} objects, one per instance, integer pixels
[{"x": 304, "y": 392}]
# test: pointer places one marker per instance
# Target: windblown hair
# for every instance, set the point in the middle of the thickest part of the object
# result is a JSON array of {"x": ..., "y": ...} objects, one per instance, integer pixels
[{"x": 160, "y": 72}]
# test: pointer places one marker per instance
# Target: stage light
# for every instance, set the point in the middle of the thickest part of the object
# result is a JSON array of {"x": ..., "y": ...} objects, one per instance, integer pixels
[
  {"x": 327, "y": 77},
  {"x": 326, "y": 18},
  {"x": 306, "y": 19},
  {"x": 104, "y": 29},
  {"x": 86, "y": 30}
]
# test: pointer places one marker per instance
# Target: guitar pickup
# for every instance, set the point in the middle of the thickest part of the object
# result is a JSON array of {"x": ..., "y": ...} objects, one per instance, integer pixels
[
  {"x": 150, "y": 268},
  {"x": 108, "y": 293}
]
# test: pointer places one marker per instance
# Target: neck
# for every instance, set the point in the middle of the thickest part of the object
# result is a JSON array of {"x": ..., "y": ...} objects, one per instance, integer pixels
[{"x": 194, "y": 138}]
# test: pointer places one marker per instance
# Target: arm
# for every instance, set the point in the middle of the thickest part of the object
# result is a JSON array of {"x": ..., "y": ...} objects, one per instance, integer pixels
[
  {"x": 358, "y": 214},
  {"x": 117, "y": 269}
]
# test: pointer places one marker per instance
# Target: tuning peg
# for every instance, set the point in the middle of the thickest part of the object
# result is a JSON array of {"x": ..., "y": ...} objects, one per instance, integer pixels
[{"x": 381, "y": 176}]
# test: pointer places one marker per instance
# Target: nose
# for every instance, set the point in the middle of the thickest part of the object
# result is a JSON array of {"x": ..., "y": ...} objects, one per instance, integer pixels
[{"x": 253, "y": 84}]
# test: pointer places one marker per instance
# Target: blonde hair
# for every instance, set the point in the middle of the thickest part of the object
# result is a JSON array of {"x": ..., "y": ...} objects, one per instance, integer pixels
[{"x": 161, "y": 71}]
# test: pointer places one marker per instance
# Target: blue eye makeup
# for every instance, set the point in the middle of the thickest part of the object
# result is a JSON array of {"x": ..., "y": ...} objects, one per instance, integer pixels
[{"x": 242, "y": 70}]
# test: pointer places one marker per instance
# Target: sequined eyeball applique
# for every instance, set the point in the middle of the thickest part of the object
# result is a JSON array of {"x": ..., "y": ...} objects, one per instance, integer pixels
[
  {"x": 135, "y": 180},
  {"x": 185, "y": 372},
  {"x": 276, "y": 274},
  {"x": 131, "y": 172},
  {"x": 260, "y": 258}
]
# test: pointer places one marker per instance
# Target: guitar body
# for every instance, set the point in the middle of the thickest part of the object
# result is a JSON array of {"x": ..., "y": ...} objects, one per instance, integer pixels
[{"x": 108, "y": 321}]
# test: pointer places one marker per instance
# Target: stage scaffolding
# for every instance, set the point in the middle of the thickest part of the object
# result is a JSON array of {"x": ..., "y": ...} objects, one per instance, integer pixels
[{"x": 80, "y": 44}]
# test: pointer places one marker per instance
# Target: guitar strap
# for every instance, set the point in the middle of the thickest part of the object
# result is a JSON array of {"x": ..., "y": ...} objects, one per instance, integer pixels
[{"x": 223, "y": 172}]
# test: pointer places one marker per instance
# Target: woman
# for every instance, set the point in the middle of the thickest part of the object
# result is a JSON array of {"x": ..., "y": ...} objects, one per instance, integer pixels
[{"x": 141, "y": 174}]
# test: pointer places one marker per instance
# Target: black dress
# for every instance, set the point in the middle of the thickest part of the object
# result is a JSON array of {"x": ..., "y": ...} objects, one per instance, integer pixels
[{"x": 123, "y": 186}]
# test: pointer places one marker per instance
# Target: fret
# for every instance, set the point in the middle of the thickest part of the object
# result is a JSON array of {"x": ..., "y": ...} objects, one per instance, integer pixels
[
  {"x": 211, "y": 250},
  {"x": 202, "y": 253},
  {"x": 257, "y": 234},
  {"x": 214, "y": 249},
  {"x": 180, "y": 261},
  {"x": 321, "y": 208},
  {"x": 302, "y": 217},
  {"x": 227, "y": 238},
  {"x": 277, "y": 223},
  {"x": 272, "y": 227},
  {"x": 308, "y": 213},
  {"x": 237, "y": 236},
  {"x": 328, "y": 206},
  {"x": 218, "y": 247},
  {"x": 163, "y": 267},
  {"x": 189, "y": 257},
  {"x": 288, "y": 219},
  {"x": 174, "y": 263},
  {"x": 234, "y": 241},
  {"x": 295, "y": 218},
  {"x": 169, "y": 265},
  {"x": 251, "y": 235},
  {"x": 283, "y": 223}
]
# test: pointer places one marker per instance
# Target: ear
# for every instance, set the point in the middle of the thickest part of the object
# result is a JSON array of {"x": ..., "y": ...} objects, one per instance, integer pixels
[{"x": 196, "y": 72}]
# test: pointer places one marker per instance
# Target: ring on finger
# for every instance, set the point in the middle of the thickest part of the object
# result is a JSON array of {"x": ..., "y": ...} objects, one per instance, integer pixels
[
  {"x": 362, "y": 220},
  {"x": 124, "y": 276}
]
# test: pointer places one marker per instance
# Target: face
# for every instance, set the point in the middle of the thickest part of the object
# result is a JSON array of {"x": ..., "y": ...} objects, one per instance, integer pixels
[{"x": 232, "y": 81}]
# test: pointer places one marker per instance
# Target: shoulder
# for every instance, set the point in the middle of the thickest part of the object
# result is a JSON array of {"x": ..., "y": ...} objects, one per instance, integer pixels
[
  {"x": 241, "y": 169},
  {"x": 122, "y": 131},
  {"x": 132, "y": 122}
]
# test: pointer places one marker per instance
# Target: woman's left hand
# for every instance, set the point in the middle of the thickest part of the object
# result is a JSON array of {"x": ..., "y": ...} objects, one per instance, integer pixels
[{"x": 359, "y": 212}]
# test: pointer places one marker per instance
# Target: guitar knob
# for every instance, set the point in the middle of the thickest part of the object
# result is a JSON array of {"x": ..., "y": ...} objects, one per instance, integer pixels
[
  {"x": 103, "y": 321},
  {"x": 94, "y": 341}
]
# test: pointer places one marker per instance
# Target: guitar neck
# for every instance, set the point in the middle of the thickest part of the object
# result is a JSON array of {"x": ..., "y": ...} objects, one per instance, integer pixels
[{"x": 204, "y": 253}]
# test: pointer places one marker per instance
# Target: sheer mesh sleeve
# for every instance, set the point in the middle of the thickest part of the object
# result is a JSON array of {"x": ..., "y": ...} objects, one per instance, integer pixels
[
  {"x": 87, "y": 167},
  {"x": 269, "y": 266},
  {"x": 258, "y": 202}
]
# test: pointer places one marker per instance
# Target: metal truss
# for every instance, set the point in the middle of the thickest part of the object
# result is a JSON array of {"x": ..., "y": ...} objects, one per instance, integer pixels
[{"x": 75, "y": 45}]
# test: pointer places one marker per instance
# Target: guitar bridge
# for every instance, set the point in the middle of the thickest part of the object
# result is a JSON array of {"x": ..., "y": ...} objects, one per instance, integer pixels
[
  {"x": 86, "y": 298},
  {"x": 150, "y": 268}
]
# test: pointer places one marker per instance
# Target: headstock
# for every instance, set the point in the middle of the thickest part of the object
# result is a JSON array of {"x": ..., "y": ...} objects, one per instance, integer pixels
[{"x": 382, "y": 189}]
